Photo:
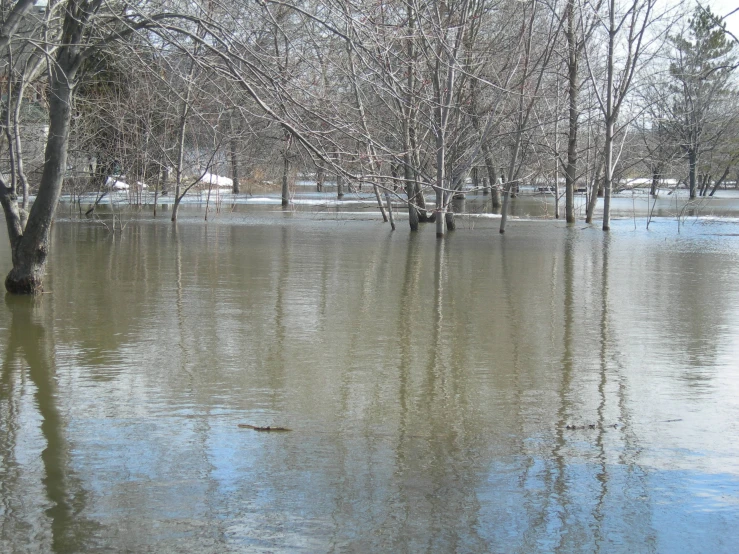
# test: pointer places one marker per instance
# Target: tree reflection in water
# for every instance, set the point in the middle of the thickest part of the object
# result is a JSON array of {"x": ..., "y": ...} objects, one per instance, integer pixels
[{"x": 30, "y": 353}]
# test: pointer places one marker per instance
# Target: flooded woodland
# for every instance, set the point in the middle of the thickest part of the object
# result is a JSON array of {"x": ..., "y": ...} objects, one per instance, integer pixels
[{"x": 556, "y": 388}]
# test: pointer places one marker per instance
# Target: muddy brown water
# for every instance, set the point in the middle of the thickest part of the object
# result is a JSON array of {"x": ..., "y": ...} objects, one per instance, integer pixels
[{"x": 553, "y": 389}]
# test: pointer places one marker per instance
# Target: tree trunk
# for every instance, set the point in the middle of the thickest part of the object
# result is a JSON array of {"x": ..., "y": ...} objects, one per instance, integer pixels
[
  {"x": 655, "y": 183},
  {"x": 449, "y": 215},
  {"x": 320, "y": 174},
  {"x": 410, "y": 192},
  {"x": 595, "y": 189},
  {"x": 390, "y": 210},
  {"x": 235, "y": 165},
  {"x": 496, "y": 196},
  {"x": 717, "y": 184},
  {"x": 439, "y": 214},
  {"x": 440, "y": 177},
  {"x": 339, "y": 186},
  {"x": 504, "y": 211},
  {"x": 608, "y": 164},
  {"x": 420, "y": 200},
  {"x": 506, "y": 200},
  {"x": 704, "y": 182},
  {"x": 492, "y": 175},
  {"x": 285, "y": 175},
  {"x": 571, "y": 169},
  {"x": 30, "y": 246},
  {"x": 692, "y": 162}
]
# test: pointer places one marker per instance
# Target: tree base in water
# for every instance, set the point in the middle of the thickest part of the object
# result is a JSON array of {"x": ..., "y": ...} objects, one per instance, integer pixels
[{"x": 26, "y": 283}]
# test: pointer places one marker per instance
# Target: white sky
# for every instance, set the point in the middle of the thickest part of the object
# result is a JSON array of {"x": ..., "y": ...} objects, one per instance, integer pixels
[{"x": 722, "y": 7}]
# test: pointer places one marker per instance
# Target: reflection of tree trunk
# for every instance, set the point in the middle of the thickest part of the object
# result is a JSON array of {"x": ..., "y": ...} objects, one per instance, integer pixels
[
  {"x": 63, "y": 488},
  {"x": 564, "y": 411},
  {"x": 409, "y": 300},
  {"x": 602, "y": 478}
]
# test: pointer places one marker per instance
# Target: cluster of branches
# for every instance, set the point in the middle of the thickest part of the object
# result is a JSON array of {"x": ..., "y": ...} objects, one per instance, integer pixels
[{"x": 406, "y": 96}]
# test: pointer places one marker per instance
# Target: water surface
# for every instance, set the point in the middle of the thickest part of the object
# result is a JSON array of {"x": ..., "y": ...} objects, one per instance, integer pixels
[{"x": 429, "y": 386}]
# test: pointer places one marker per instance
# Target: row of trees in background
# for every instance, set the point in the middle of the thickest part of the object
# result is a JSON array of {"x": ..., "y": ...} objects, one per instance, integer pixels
[{"x": 403, "y": 96}]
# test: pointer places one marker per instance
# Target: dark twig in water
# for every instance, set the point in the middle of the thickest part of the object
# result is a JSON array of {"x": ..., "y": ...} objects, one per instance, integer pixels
[
  {"x": 268, "y": 428},
  {"x": 589, "y": 426}
]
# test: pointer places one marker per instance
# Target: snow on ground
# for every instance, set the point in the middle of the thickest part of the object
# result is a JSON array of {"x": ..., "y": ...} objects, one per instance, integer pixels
[
  {"x": 115, "y": 184},
  {"x": 216, "y": 180}
]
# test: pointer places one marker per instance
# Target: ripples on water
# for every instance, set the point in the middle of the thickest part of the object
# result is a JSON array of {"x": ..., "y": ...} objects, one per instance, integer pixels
[{"x": 428, "y": 385}]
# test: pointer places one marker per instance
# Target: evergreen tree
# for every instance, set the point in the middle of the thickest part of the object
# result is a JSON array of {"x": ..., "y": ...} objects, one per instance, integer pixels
[{"x": 701, "y": 67}]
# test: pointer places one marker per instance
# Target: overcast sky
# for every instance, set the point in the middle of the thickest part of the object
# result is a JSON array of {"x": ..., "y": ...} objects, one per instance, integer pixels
[{"x": 722, "y": 7}]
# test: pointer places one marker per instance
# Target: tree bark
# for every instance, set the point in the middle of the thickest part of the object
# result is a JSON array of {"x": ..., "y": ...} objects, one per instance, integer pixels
[
  {"x": 655, "y": 182},
  {"x": 504, "y": 211},
  {"x": 506, "y": 200},
  {"x": 595, "y": 189},
  {"x": 235, "y": 165},
  {"x": 390, "y": 210},
  {"x": 285, "y": 179},
  {"x": 30, "y": 245},
  {"x": 572, "y": 89},
  {"x": 320, "y": 173},
  {"x": 339, "y": 186},
  {"x": 717, "y": 184},
  {"x": 692, "y": 163}
]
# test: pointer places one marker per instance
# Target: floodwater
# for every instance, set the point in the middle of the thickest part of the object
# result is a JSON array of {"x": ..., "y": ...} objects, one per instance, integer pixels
[{"x": 430, "y": 386}]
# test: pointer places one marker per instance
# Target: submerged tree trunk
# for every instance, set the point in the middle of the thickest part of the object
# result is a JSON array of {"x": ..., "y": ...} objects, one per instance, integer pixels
[{"x": 30, "y": 244}]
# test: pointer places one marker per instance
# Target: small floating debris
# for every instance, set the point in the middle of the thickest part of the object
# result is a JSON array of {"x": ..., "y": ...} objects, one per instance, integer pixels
[
  {"x": 589, "y": 426},
  {"x": 266, "y": 429}
]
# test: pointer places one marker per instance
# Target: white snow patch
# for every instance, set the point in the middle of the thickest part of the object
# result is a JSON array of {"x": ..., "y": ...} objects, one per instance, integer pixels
[
  {"x": 115, "y": 184},
  {"x": 217, "y": 180}
]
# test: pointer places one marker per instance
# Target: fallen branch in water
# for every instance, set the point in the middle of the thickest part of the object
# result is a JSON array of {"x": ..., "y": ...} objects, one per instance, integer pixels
[{"x": 268, "y": 428}]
